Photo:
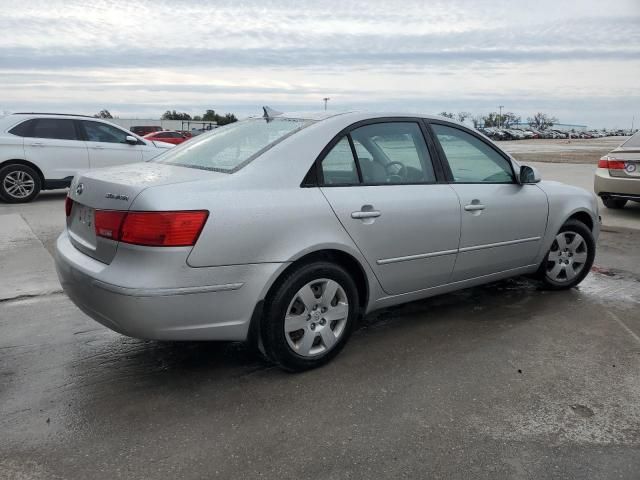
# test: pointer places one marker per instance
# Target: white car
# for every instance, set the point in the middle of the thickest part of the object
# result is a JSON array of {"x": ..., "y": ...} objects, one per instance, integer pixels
[{"x": 43, "y": 151}]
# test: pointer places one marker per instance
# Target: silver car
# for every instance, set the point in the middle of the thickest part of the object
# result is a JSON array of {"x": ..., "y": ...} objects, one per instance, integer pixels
[{"x": 284, "y": 230}]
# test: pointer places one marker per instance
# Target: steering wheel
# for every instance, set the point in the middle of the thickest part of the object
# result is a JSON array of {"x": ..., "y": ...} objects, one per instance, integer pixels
[{"x": 401, "y": 174}]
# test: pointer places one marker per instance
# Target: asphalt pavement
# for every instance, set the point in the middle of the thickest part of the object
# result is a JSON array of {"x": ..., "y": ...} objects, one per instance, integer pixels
[{"x": 500, "y": 381}]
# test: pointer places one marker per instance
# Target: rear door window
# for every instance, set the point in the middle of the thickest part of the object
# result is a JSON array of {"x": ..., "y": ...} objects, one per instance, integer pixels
[
  {"x": 393, "y": 152},
  {"x": 55, "y": 128}
]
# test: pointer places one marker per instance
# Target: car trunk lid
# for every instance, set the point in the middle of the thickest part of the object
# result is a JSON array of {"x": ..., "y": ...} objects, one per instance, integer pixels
[
  {"x": 115, "y": 189},
  {"x": 630, "y": 167}
]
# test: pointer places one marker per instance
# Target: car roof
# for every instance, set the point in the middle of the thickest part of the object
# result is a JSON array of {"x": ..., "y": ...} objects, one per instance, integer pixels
[
  {"x": 357, "y": 115},
  {"x": 49, "y": 114}
]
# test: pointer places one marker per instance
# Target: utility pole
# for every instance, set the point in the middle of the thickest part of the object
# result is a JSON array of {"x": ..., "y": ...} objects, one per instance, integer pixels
[
  {"x": 500, "y": 120},
  {"x": 325, "y": 100},
  {"x": 633, "y": 119}
]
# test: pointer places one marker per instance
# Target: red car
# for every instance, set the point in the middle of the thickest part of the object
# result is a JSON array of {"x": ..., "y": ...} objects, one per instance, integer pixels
[{"x": 168, "y": 136}]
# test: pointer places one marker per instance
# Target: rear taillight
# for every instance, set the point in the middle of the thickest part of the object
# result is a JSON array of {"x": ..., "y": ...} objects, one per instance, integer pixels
[
  {"x": 154, "y": 229},
  {"x": 611, "y": 163},
  {"x": 108, "y": 223},
  {"x": 68, "y": 205}
]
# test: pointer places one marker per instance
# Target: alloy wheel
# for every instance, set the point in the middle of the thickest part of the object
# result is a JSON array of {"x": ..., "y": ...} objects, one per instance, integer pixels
[{"x": 18, "y": 184}]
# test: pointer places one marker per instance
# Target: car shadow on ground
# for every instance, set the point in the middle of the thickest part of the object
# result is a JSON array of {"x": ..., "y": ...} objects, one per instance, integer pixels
[{"x": 115, "y": 358}]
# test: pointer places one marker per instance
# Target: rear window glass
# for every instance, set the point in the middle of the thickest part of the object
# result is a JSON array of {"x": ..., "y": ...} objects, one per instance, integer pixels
[
  {"x": 633, "y": 142},
  {"x": 229, "y": 148}
]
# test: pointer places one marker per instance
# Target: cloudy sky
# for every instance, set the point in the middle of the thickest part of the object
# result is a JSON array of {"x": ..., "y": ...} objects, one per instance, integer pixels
[{"x": 578, "y": 60}]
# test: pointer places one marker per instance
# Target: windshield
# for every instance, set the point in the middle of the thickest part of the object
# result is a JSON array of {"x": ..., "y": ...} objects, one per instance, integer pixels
[{"x": 229, "y": 148}]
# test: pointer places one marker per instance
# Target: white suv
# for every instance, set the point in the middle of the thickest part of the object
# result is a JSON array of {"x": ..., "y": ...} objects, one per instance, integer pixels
[{"x": 43, "y": 151}]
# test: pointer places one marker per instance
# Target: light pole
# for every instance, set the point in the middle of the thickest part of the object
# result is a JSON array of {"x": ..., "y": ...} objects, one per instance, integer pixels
[
  {"x": 325, "y": 100},
  {"x": 500, "y": 120}
]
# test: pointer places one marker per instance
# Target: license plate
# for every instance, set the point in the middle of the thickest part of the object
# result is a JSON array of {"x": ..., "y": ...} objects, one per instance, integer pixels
[{"x": 85, "y": 216}]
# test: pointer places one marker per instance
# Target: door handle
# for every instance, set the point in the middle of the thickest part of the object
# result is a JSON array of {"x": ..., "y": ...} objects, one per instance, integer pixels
[
  {"x": 474, "y": 207},
  {"x": 366, "y": 214},
  {"x": 37, "y": 144},
  {"x": 98, "y": 147}
]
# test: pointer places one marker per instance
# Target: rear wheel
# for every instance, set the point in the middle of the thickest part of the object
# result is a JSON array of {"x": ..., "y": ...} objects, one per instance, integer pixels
[
  {"x": 19, "y": 183},
  {"x": 309, "y": 316},
  {"x": 570, "y": 257},
  {"x": 614, "y": 202}
]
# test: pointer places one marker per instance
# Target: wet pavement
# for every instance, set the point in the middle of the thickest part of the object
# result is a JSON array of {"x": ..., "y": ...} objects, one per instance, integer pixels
[{"x": 500, "y": 381}]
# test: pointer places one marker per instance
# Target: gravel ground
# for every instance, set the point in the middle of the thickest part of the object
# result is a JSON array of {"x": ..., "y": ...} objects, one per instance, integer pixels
[{"x": 588, "y": 150}]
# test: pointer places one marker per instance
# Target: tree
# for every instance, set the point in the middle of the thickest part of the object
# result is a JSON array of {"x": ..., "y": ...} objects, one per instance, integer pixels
[
  {"x": 541, "y": 121},
  {"x": 212, "y": 116},
  {"x": 228, "y": 118},
  {"x": 462, "y": 116},
  {"x": 494, "y": 119},
  {"x": 209, "y": 116},
  {"x": 197, "y": 118},
  {"x": 173, "y": 115},
  {"x": 446, "y": 114},
  {"x": 103, "y": 114},
  {"x": 477, "y": 120}
]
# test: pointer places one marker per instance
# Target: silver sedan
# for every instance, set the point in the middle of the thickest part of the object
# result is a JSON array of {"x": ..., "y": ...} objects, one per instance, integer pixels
[{"x": 284, "y": 229}]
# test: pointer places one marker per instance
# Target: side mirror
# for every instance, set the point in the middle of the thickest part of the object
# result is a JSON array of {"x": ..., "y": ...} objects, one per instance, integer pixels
[
  {"x": 131, "y": 140},
  {"x": 529, "y": 175}
]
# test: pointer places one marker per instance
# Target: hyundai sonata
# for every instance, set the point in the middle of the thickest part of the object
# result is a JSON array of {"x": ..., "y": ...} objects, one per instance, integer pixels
[{"x": 284, "y": 230}]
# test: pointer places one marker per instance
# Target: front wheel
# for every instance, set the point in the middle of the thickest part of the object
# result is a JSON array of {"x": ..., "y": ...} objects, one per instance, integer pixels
[
  {"x": 570, "y": 257},
  {"x": 19, "y": 183},
  {"x": 309, "y": 316}
]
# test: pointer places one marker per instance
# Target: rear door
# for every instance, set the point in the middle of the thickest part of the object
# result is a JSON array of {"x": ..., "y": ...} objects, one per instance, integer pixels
[
  {"x": 56, "y": 147},
  {"x": 502, "y": 222},
  {"x": 108, "y": 145},
  {"x": 381, "y": 182}
]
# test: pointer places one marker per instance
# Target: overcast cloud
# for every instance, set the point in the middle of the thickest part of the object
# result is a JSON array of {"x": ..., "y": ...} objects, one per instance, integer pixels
[{"x": 579, "y": 61}]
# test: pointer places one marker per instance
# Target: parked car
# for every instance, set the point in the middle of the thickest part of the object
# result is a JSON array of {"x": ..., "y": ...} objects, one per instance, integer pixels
[
  {"x": 168, "y": 136},
  {"x": 617, "y": 179},
  {"x": 145, "y": 129},
  {"x": 261, "y": 230},
  {"x": 44, "y": 151}
]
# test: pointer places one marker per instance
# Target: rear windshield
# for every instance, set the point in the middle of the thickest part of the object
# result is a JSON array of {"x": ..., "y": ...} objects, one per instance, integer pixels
[
  {"x": 229, "y": 148},
  {"x": 633, "y": 142}
]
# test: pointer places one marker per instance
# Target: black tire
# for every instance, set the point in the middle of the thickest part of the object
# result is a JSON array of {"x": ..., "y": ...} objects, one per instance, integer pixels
[
  {"x": 29, "y": 174},
  {"x": 614, "y": 202},
  {"x": 570, "y": 227},
  {"x": 274, "y": 338}
]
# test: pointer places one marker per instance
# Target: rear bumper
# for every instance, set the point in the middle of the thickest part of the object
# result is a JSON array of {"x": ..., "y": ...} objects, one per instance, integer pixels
[
  {"x": 213, "y": 303},
  {"x": 619, "y": 187}
]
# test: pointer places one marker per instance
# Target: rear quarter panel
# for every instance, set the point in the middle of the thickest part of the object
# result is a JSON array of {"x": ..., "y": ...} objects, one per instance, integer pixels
[
  {"x": 11, "y": 148},
  {"x": 249, "y": 225}
]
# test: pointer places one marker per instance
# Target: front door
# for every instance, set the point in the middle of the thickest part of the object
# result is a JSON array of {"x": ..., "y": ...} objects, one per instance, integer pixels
[
  {"x": 108, "y": 145},
  {"x": 502, "y": 222},
  {"x": 380, "y": 181}
]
